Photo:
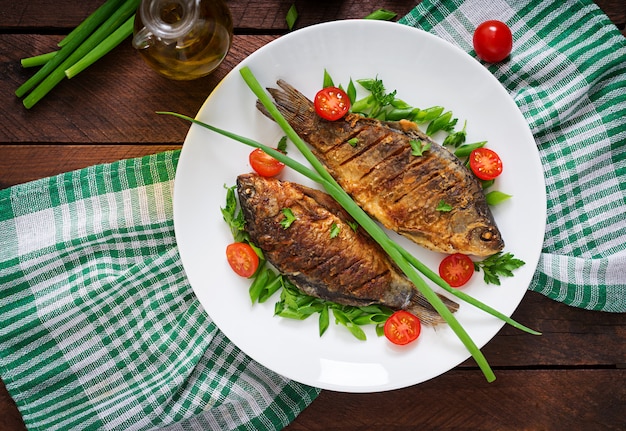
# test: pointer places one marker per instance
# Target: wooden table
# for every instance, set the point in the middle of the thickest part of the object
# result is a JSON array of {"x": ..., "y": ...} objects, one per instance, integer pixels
[{"x": 572, "y": 377}]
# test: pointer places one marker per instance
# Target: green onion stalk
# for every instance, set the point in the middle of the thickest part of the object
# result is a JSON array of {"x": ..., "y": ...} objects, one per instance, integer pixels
[
  {"x": 405, "y": 261},
  {"x": 95, "y": 36}
]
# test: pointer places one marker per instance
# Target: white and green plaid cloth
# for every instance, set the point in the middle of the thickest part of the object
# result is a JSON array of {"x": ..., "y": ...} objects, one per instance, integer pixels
[
  {"x": 567, "y": 74},
  {"x": 100, "y": 330}
]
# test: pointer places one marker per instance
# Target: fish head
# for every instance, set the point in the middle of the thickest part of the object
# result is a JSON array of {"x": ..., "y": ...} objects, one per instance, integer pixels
[
  {"x": 263, "y": 197},
  {"x": 474, "y": 231},
  {"x": 484, "y": 240}
]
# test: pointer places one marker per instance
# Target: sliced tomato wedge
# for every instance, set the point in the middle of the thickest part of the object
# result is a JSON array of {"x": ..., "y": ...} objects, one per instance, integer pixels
[
  {"x": 402, "y": 327},
  {"x": 242, "y": 259},
  {"x": 485, "y": 163},
  {"x": 331, "y": 103},
  {"x": 264, "y": 164},
  {"x": 456, "y": 269}
]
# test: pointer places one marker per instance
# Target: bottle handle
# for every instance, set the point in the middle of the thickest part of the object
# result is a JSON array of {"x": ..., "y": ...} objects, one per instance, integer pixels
[{"x": 143, "y": 39}]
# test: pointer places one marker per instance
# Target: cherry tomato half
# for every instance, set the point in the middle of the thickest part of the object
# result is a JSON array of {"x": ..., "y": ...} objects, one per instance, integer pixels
[
  {"x": 242, "y": 259},
  {"x": 456, "y": 269},
  {"x": 493, "y": 41},
  {"x": 485, "y": 163},
  {"x": 264, "y": 164},
  {"x": 402, "y": 327},
  {"x": 331, "y": 103}
]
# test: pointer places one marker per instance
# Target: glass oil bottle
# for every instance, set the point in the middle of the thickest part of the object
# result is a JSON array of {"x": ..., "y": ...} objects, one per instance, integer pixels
[{"x": 183, "y": 39}]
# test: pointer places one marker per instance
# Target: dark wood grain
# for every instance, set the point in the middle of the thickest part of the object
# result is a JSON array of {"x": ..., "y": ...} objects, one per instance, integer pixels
[
  {"x": 460, "y": 400},
  {"x": 573, "y": 376}
]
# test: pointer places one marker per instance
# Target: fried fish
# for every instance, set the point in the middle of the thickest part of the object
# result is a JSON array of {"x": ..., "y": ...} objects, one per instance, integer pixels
[
  {"x": 321, "y": 252},
  {"x": 403, "y": 191}
]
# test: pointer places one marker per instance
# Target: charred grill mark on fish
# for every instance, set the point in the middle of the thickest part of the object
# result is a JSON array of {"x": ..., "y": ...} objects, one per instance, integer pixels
[
  {"x": 349, "y": 269},
  {"x": 400, "y": 190}
]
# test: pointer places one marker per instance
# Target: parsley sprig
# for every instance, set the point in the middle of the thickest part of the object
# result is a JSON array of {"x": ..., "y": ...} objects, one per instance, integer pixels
[{"x": 498, "y": 265}]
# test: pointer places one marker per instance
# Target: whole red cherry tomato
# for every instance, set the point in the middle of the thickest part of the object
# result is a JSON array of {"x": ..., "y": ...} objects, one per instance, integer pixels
[{"x": 493, "y": 41}]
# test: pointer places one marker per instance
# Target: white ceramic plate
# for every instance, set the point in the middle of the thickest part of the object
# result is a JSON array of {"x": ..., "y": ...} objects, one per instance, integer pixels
[{"x": 425, "y": 71}]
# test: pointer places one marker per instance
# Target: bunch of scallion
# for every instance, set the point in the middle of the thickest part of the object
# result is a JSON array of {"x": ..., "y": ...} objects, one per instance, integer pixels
[
  {"x": 411, "y": 266},
  {"x": 98, "y": 34}
]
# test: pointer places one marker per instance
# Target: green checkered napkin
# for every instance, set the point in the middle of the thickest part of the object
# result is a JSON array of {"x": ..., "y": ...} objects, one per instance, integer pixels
[
  {"x": 567, "y": 74},
  {"x": 99, "y": 328}
]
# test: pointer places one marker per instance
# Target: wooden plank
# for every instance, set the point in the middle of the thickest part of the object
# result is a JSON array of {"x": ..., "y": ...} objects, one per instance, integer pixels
[
  {"x": 112, "y": 103},
  {"x": 571, "y": 337},
  {"x": 248, "y": 15},
  {"x": 517, "y": 400},
  {"x": 22, "y": 163}
]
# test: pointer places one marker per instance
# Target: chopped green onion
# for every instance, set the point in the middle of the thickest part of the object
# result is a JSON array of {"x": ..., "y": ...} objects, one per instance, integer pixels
[
  {"x": 465, "y": 150},
  {"x": 496, "y": 197},
  {"x": 292, "y": 16},
  {"x": 382, "y": 14},
  {"x": 328, "y": 80}
]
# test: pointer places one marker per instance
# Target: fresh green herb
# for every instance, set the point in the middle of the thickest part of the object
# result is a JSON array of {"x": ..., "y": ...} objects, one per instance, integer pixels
[
  {"x": 442, "y": 206},
  {"x": 294, "y": 304},
  {"x": 353, "y": 141},
  {"x": 376, "y": 102},
  {"x": 351, "y": 91},
  {"x": 324, "y": 320},
  {"x": 328, "y": 80},
  {"x": 335, "y": 229},
  {"x": 487, "y": 183},
  {"x": 418, "y": 147},
  {"x": 343, "y": 319},
  {"x": 282, "y": 145},
  {"x": 382, "y": 14},
  {"x": 234, "y": 218},
  {"x": 265, "y": 284},
  {"x": 292, "y": 16},
  {"x": 354, "y": 226},
  {"x": 496, "y": 197},
  {"x": 289, "y": 218},
  {"x": 456, "y": 139},
  {"x": 498, "y": 265}
]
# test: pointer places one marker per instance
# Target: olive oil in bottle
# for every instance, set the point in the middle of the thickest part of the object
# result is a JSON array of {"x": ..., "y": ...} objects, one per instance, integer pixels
[{"x": 183, "y": 39}]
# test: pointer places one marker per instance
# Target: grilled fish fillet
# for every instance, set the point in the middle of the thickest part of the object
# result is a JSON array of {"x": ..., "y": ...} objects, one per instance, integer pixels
[
  {"x": 349, "y": 269},
  {"x": 400, "y": 190}
]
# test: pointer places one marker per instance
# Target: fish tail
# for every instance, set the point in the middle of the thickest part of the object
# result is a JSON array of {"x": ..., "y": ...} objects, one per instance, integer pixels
[
  {"x": 292, "y": 104},
  {"x": 419, "y": 306}
]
